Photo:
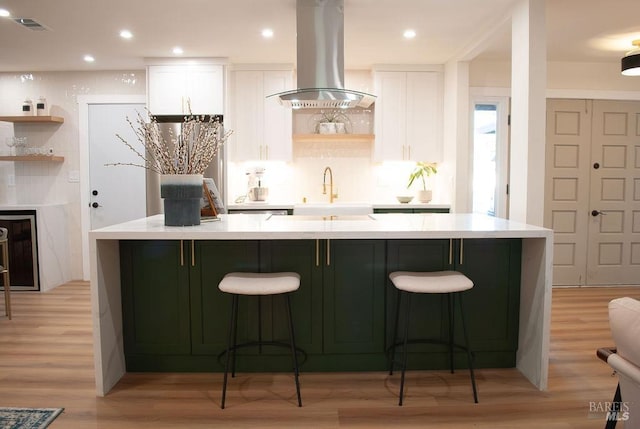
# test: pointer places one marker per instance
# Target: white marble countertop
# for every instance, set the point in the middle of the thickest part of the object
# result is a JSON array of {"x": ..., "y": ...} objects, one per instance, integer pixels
[{"x": 376, "y": 226}]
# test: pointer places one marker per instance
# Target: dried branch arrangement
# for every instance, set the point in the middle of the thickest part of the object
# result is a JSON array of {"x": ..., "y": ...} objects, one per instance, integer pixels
[{"x": 193, "y": 150}]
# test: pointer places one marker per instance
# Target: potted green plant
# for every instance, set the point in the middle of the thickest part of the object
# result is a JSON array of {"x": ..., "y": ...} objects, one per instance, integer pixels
[
  {"x": 331, "y": 122},
  {"x": 422, "y": 170}
]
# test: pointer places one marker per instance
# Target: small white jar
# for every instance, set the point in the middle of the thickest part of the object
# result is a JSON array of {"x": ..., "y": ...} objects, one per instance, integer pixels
[
  {"x": 27, "y": 107},
  {"x": 41, "y": 107}
]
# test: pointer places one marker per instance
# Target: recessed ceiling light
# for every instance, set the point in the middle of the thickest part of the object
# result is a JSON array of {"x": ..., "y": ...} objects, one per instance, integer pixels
[
  {"x": 267, "y": 33},
  {"x": 178, "y": 50},
  {"x": 126, "y": 34},
  {"x": 409, "y": 34},
  {"x": 4, "y": 13},
  {"x": 89, "y": 58}
]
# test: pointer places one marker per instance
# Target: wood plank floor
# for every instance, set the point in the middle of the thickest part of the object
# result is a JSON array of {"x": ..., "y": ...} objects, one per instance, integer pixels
[{"x": 46, "y": 360}]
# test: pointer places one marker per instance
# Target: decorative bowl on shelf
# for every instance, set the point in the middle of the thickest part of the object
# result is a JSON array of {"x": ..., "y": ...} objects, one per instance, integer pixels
[{"x": 404, "y": 199}]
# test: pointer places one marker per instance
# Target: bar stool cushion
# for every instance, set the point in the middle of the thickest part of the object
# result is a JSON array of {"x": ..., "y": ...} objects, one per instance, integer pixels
[
  {"x": 259, "y": 283},
  {"x": 430, "y": 282}
]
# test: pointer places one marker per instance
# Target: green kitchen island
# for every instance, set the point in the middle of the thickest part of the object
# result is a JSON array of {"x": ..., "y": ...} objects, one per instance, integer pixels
[{"x": 156, "y": 305}]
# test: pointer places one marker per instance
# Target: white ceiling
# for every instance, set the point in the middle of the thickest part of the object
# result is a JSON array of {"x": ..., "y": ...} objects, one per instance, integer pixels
[{"x": 578, "y": 30}]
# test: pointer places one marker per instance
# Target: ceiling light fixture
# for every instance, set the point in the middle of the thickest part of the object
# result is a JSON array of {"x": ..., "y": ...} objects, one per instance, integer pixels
[
  {"x": 126, "y": 34},
  {"x": 4, "y": 13},
  {"x": 89, "y": 58},
  {"x": 409, "y": 34},
  {"x": 631, "y": 61},
  {"x": 178, "y": 50},
  {"x": 267, "y": 33}
]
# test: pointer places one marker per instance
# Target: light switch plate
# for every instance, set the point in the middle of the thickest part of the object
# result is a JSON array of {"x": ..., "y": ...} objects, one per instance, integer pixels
[{"x": 11, "y": 180}]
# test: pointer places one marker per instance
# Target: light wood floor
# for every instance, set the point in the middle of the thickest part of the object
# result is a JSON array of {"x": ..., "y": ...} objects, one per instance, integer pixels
[{"x": 46, "y": 360}]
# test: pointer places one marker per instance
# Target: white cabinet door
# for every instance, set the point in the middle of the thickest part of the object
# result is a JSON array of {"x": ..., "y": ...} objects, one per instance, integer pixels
[
  {"x": 205, "y": 89},
  {"x": 180, "y": 89},
  {"x": 408, "y": 116},
  {"x": 277, "y": 118},
  {"x": 246, "y": 120},
  {"x": 390, "y": 116},
  {"x": 166, "y": 90},
  {"x": 261, "y": 127}
]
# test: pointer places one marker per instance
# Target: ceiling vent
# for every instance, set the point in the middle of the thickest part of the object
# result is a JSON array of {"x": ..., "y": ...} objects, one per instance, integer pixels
[{"x": 31, "y": 24}]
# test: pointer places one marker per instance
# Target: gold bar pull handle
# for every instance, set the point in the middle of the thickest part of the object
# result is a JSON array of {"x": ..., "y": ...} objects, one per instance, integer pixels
[
  {"x": 328, "y": 252},
  {"x": 451, "y": 251},
  {"x": 193, "y": 253},
  {"x": 181, "y": 254},
  {"x": 317, "y": 253},
  {"x": 461, "y": 249}
]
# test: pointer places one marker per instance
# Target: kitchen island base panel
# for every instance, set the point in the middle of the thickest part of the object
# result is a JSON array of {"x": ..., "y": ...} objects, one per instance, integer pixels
[{"x": 171, "y": 306}]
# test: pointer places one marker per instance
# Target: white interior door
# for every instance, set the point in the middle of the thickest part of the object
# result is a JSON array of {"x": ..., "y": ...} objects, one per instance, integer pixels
[
  {"x": 567, "y": 187},
  {"x": 614, "y": 212},
  {"x": 117, "y": 193}
]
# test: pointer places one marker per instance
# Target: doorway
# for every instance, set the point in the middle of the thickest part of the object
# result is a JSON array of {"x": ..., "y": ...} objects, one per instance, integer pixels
[
  {"x": 490, "y": 156},
  {"x": 109, "y": 194},
  {"x": 592, "y": 191}
]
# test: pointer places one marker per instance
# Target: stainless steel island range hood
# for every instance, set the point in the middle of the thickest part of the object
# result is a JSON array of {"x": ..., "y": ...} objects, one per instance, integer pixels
[{"x": 320, "y": 59}]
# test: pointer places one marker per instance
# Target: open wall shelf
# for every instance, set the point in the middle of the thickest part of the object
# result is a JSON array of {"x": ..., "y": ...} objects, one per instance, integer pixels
[
  {"x": 33, "y": 119},
  {"x": 333, "y": 137},
  {"x": 31, "y": 158}
]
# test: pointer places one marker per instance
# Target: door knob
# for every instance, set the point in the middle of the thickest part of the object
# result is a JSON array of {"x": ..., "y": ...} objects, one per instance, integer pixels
[
  {"x": 596, "y": 165},
  {"x": 95, "y": 205},
  {"x": 595, "y": 213}
]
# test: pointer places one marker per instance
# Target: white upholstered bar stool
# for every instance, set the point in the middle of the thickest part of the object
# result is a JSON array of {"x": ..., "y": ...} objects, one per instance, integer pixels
[
  {"x": 452, "y": 283},
  {"x": 4, "y": 270},
  {"x": 258, "y": 284}
]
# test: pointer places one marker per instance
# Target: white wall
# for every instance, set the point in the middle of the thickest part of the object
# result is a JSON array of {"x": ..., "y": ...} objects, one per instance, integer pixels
[
  {"x": 48, "y": 183},
  {"x": 604, "y": 76}
]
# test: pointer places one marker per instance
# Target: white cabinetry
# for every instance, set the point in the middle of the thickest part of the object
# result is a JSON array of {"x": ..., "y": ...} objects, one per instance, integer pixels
[
  {"x": 172, "y": 88},
  {"x": 262, "y": 128},
  {"x": 408, "y": 116}
]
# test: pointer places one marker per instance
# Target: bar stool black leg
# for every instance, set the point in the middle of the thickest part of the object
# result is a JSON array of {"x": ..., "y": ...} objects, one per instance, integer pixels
[
  {"x": 469, "y": 356},
  {"x": 235, "y": 334},
  {"x": 405, "y": 350},
  {"x": 392, "y": 352},
  {"x": 451, "y": 314},
  {"x": 293, "y": 349},
  {"x": 230, "y": 339},
  {"x": 259, "y": 324}
]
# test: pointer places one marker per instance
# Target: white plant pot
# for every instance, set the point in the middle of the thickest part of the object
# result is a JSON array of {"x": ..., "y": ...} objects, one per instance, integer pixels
[
  {"x": 327, "y": 128},
  {"x": 425, "y": 196}
]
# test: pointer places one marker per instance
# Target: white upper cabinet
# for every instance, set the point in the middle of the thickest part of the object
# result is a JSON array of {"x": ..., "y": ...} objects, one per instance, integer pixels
[
  {"x": 172, "y": 88},
  {"x": 408, "y": 116},
  {"x": 262, "y": 128}
]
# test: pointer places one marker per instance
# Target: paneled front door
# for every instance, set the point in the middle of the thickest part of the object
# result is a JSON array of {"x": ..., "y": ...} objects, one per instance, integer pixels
[
  {"x": 592, "y": 196},
  {"x": 614, "y": 224}
]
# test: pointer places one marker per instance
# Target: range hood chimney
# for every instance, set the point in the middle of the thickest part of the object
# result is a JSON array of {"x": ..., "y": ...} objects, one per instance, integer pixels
[{"x": 320, "y": 60}]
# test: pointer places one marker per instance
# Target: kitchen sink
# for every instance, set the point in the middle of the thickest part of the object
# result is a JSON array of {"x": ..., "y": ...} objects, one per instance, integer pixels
[{"x": 333, "y": 209}]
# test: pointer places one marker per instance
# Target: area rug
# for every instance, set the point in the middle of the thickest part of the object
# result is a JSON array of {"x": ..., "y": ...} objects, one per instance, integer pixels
[{"x": 27, "y": 418}]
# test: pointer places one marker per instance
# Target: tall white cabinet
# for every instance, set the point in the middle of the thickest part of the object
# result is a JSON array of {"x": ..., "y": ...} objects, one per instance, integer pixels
[
  {"x": 262, "y": 128},
  {"x": 408, "y": 116},
  {"x": 174, "y": 89}
]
